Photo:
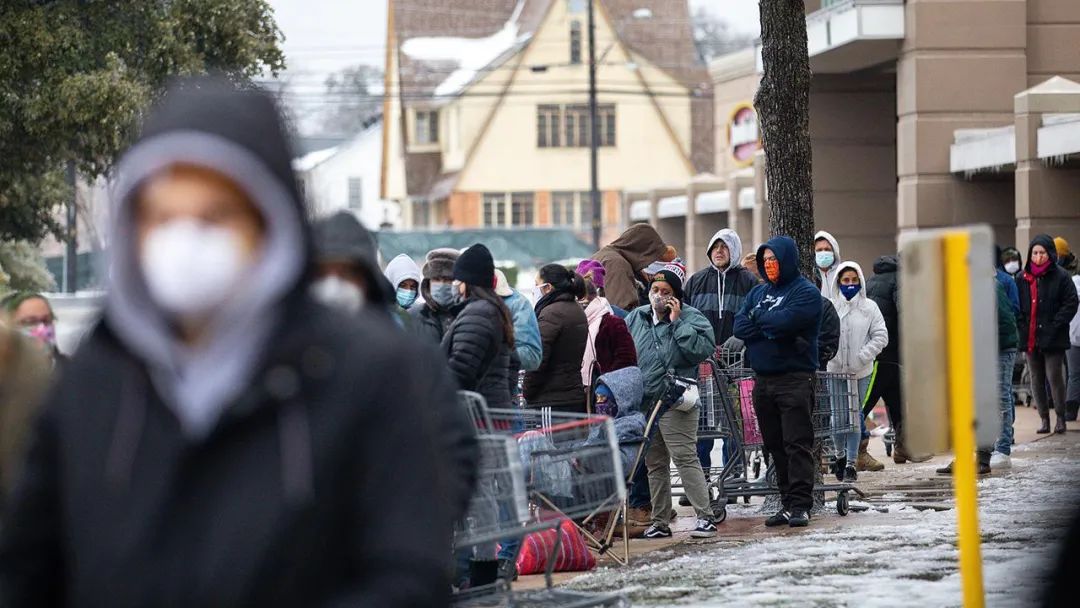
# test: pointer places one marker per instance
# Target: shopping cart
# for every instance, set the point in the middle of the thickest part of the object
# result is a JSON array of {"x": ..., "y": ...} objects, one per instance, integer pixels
[{"x": 537, "y": 469}]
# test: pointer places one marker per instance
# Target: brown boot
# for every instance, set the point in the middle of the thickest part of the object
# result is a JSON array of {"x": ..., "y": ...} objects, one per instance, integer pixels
[
  {"x": 900, "y": 454},
  {"x": 639, "y": 517},
  {"x": 866, "y": 462}
]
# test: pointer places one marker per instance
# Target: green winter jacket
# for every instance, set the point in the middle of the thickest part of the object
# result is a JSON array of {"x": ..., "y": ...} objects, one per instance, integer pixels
[
  {"x": 678, "y": 346},
  {"x": 1007, "y": 336}
]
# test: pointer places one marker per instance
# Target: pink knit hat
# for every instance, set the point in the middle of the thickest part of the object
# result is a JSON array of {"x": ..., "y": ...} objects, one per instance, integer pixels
[{"x": 594, "y": 268}]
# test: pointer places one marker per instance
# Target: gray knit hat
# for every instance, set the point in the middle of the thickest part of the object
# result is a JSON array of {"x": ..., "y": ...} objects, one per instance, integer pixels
[{"x": 439, "y": 263}]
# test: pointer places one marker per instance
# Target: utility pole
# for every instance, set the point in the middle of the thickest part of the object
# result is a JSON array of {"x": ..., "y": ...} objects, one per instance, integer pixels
[
  {"x": 71, "y": 249},
  {"x": 594, "y": 134}
]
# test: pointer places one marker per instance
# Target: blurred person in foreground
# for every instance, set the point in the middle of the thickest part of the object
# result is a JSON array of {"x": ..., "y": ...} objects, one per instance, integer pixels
[
  {"x": 780, "y": 323},
  {"x": 346, "y": 269},
  {"x": 24, "y": 377},
  {"x": 1048, "y": 302},
  {"x": 32, "y": 315},
  {"x": 220, "y": 439}
]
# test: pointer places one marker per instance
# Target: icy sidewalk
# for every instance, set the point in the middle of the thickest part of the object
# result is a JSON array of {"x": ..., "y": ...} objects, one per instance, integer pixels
[{"x": 901, "y": 557}]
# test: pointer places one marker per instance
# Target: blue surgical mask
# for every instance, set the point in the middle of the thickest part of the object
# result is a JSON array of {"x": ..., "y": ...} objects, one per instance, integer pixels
[
  {"x": 824, "y": 259},
  {"x": 405, "y": 297},
  {"x": 850, "y": 291},
  {"x": 442, "y": 294}
]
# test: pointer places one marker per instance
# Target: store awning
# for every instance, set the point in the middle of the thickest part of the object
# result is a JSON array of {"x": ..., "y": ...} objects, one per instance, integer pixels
[
  {"x": 1059, "y": 136},
  {"x": 525, "y": 247},
  {"x": 851, "y": 35},
  {"x": 983, "y": 151}
]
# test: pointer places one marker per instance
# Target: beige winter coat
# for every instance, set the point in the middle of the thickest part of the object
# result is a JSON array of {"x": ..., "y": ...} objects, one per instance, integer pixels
[{"x": 863, "y": 334}]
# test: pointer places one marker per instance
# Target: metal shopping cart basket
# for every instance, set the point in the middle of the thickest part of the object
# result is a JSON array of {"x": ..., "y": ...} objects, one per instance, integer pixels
[{"x": 534, "y": 463}]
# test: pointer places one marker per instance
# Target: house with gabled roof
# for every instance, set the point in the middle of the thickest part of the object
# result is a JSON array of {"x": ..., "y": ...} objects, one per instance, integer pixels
[{"x": 487, "y": 109}]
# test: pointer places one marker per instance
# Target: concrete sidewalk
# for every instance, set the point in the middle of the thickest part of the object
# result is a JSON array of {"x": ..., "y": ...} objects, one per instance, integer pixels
[{"x": 745, "y": 523}]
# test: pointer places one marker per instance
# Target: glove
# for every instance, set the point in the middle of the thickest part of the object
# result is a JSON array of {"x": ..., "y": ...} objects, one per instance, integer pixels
[{"x": 733, "y": 345}]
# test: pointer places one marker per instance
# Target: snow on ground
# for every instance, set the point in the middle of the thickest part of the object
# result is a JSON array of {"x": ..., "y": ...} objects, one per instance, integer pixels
[{"x": 904, "y": 557}]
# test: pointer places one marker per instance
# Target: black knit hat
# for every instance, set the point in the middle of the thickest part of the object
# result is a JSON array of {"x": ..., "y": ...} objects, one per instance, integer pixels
[
  {"x": 475, "y": 266},
  {"x": 672, "y": 275}
]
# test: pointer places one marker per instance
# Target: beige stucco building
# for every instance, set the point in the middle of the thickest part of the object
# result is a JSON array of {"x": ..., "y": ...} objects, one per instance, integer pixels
[
  {"x": 924, "y": 113},
  {"x": 488, "y": 116}
]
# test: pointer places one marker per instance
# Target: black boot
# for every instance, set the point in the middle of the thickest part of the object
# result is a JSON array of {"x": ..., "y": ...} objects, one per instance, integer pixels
[
  {"x": 1059, "y": 428},
  {"x": 483, "y": 573},
  {"x": 841, "y": 464},
  {"x": 1045, "y": 428}
]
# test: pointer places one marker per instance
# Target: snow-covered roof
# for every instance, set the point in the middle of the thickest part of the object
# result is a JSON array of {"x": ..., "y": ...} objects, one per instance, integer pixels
[{"x": 311, "y": 160}]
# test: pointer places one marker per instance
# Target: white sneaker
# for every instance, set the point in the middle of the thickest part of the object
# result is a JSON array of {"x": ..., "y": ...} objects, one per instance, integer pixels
[{"x": 1000, "y": 461}]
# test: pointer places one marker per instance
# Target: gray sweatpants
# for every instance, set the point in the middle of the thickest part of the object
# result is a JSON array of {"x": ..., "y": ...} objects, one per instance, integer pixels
[
  {"x": 676, "y": 442},
  {"x": 1048, "y": 367}
]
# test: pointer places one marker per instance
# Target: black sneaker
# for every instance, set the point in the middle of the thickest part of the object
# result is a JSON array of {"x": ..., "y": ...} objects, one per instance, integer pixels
[
  {"x": 850, "y": 476},
  {"x": 704, "y": 529},
  {"x": 839, "y": 467},
  {"x": 782, "y": 518},
  {"x": 946, "y": 470},
  {"x": 508, "y": 570},
  {"x": 656, "y": 531},
  {"x": 799, "y": 519},
  {"x": 684, "y": 501}
]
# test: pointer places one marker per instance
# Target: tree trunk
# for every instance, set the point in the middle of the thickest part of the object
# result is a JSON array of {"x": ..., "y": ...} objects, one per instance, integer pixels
[{"x": 783, "y": 108}]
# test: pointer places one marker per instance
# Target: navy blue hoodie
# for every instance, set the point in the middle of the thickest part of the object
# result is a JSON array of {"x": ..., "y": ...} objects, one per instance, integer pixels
[{"x": 779, "y": 322}]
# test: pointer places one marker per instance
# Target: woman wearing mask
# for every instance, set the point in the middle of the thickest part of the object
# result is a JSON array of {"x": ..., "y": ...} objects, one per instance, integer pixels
[
  {"x": 564, "y": 330},
  {"x": 31, "y": 315},
  {"x": 404, "y": 276},
  {"x": 827, "y": 261},
  {"x": 863, "y": 335},
  {"x": 609, "y": 346},
  {"x": 440, "y": 301},
  {"x": 1048, "y": 302},
  {"x": 1011, "y": 261}
]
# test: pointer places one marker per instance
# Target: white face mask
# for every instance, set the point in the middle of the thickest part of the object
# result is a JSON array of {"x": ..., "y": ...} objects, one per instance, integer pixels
[
  {"x": 191, "y": 267},
  {"x": 338, "y": 293},
  {"x": 1012, "y": 267}
]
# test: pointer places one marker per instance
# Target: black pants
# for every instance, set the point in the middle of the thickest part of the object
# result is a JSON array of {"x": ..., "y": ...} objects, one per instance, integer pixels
[
  {"x": 887, "y": 385},
  {"x": 783, "y": 404}
]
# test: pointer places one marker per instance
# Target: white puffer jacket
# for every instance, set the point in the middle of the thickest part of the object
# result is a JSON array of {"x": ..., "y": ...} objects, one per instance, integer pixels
[
  {"x": 863, "y": 334},
  {"x": 1074, "y": 327}
]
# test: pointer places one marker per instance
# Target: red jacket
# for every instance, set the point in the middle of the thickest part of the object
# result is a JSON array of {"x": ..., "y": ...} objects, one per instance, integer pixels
[{"x": 614, "y": 345}]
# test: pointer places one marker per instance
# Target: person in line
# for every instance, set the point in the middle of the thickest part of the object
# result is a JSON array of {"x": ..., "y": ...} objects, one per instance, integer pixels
[
  {"x": 441, "y": 305},
  {"x": 827, "y": 259},
  {"x": 527, "y": 346},
  {"x": 829, "y": 334},
  {"x": 625, "y": 258},
  {"x": 1048, "y": 302},
  {"x": 1007, "y": 281},
  {"x": 346, "y": 267},
  {"x": 884, "y": 289},
  {"x": 404, "y": 276},
  {"x": 239, "y": 414},
  {"x": 672, "y": 338},
  {"x": 1066, "y": 258},
  {"x": 863, "y": 336},
  {"x": 1012, "y": 262},
  {"x": 25, "y": 372},
  {"x": 32, "y": 315},
  {"x": 749, "y": 262},
  {"x": 718, "y": 292},
  {"x": 609, "y": 345},
  {"x": 564, "y": 332},
  {"x": 593, "y": 272},
  {"x": 779, "y": 323},
  {"x": 1072, "y": 398},
  {"x": 988, "y": 459},
  {"x": 478, "y": 348}
]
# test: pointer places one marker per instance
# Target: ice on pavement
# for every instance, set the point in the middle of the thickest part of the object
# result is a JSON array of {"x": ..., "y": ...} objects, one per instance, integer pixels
[
  {"x": 904, "y": 557},
  {"x": 470, "y": 54}
]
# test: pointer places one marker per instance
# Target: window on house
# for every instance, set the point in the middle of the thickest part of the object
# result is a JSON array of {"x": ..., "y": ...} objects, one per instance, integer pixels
[
  {"x": 562, "y": 209},
  {"x": 421, "y": 213},
  {"x": 606, "y": 114},
  {"x": 548, "y": 134},
  {"x": 494, "y": 209},
  {"x": 427, "y": 127},
  {"x": 577, "y": 132},
  {"x": 356, "y": 192},
  {"x": 521, "y": 209},
  {"x": 575, "y": 42}
]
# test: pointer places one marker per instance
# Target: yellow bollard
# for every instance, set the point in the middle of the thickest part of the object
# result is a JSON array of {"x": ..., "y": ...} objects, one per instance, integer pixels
[{"x": 961, "y": 380}]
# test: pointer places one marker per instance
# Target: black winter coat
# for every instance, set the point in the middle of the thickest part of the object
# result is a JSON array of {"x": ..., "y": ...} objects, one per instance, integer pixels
[
  {"x": 829, "y": 334},
  {"x": 564, "y": 330},
  {"x": 320, "y": 486},
  {"x": 1056, "y": 307},
  {"x": 476, "y": 350},
  {"x": 719, "y": 296},
  {"x": 884, "y": 289}
]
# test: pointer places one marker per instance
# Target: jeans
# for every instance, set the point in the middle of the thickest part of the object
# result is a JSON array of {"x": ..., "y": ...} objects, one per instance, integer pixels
[
  {"x": 1006, "y": 361},
  {"x": 704, "y": 453},
  {"x": 783, "y": 404},
  {"x": 1048, "y": 367},
  {"x": 676, "y": 442},
  {"x": 639, "y": 497},
  {"x": 847, "y": 444},
  {"x": 1072, "y": 397}
]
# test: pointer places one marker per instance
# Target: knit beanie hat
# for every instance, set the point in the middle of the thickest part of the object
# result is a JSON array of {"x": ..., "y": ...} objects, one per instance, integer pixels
[
  {"x": 439, "y": 263},
  {"x": 672, "y": 275},
  {"x": 1062, "y": 247},
  {"x": 596, "y": 269},
  {"x": 475, "y": 266}
]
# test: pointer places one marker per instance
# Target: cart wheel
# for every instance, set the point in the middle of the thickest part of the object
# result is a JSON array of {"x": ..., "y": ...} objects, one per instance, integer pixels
[
  {"x": 842, "y": 506},
  {"x": 746, "y": 500},
  {"x": 719, "y": 514},
  {"x": 888, "y": 448}
]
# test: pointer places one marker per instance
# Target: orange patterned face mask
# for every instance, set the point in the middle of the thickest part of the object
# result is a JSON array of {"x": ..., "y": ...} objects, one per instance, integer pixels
[{"x": 772, "y": 270}]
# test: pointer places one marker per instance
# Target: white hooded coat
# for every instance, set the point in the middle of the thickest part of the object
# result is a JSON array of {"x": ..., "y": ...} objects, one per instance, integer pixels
[
  {"x": 1074, "y": 326},
  {"x": 828, "y": 277},
  {"x": 863, "y": 334},
  {"x": 402, "y": 268}
]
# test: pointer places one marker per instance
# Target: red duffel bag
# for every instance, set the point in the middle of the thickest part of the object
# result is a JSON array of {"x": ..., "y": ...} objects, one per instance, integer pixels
[{"x": 573, "y": 554}]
